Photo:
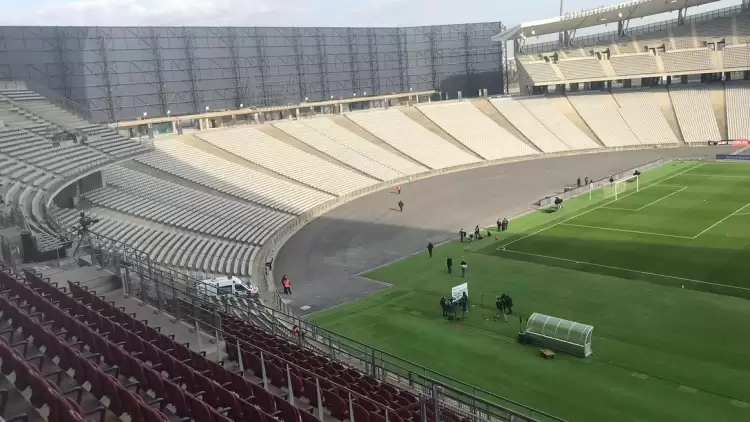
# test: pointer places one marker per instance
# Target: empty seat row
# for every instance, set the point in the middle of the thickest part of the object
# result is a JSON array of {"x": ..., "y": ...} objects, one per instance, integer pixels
[
  {"x": 412, "y": 139},
  {"x": 201, "y": 254},
  {"x": 476, "y": 131},
  {"x": 228, "y": 392},
  {"x": 144, "y": 185},
  {"x": 284, "y": 159},
  {"x": 695, "y": 113},
  {"x": 189, "y": 218},
  {"x": 554, "y": 120},
  {"x": 176, "y": 158},
  {"x": 527, "y": 124}
]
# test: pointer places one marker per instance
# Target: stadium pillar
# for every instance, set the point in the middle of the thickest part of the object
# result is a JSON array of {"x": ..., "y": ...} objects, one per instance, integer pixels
[
  {"x": 174, "y": 126},
  {"x": 255, "y": 117}
]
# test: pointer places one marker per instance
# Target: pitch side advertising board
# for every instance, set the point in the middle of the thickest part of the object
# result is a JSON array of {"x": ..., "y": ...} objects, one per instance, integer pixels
[{"x": 733, "y": 157}]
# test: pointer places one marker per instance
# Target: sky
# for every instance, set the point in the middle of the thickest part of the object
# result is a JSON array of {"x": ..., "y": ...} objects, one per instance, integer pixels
[{"x": 372, "y": 13}]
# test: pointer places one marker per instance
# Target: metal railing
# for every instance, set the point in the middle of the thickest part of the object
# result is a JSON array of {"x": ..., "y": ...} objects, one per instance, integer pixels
[
  {"x": 174, "y": 292},
  {"x": 613, "y": 36}
]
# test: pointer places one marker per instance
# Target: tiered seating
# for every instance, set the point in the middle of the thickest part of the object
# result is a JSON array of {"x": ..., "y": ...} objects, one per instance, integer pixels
[
  {"x": 265, "y": 220},
  {"x": 655, "y": 40},
  {"x": 41, "y": 334},
  {"x": 320, "y": 141},
  {"x": 558, "y": 124},
  {"x": 527, "y": 124},
  {"x": 540, "y": 72},
  {"x": 337, "y": 381},
  {"x": 636, "y": 64},
  {"x": 743, "y": 28},
  {"x": 687, "y": 61},
  {"x": 736, "y": 57},
  {"x": 603, "y": 117},
  {"x": 364, "y": 147},
  {"x": 627, "y": 46},
  {"x": 478, "y": 132},
  {"x": 738, "y": 110},
  {"x": 202, "y": 254},
  {"x": 281, "y": 363},
  {"x": 589, "y": 68},
  {"x": 282, "y": 158},
  {"x": 192, "y": 218},
  {"x": 411, "y": 138},
  {"x": 694, "y": 111},
  {"x": 101, "y": 138},
  {"x": 683, "y": 37},
  {"x": 644, "y": 117},
  {"x": 715, "y": 30},
  {"x": 174, "y": 157},
  {"x": 32, "y": 149}
]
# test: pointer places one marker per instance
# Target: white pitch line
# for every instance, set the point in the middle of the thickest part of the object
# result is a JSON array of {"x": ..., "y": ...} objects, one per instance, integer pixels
[
  {"x": 600, "y": 206},
  {"x": 742, "y": 213},
  {"x": 628, "y": 269},
  {"x": 626, "y": 231},
  {"x": 620, "y": 209},
  {"x": 729, "y": 176},
  {"x": 721, "y": 221},
  {"x": 662, "y": 198}
]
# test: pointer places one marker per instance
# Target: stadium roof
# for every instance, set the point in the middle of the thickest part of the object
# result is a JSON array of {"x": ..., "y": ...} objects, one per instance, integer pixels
[{"x": 594, "y": 17}]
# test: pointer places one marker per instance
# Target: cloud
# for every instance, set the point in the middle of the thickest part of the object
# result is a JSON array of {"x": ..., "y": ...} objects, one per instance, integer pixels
[{"x": 157, "y": 13}]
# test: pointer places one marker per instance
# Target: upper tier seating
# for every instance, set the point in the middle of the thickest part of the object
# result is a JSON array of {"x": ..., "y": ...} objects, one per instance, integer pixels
[
  {"x": 589, "y": 68},
  {"x": 364, "y": 147},
  {"x": 174, "y": 157},
  {"x": 603, "y": 117},
  {"x": 411, "y": 138},
  {"x": 690, "y": 61},
  {"x": 323, "y": 143},
  {"x": 635, "y": 64},
  {"x": 738, "y": 110},
  {"x": 476, "y": 131},
  {"x": 527, "y": 124},
  {"x": 557, "y": 123},
  {"x": 736, "y": 57},
  {"x": 282, "y": 158},
  {"x": 540, "y": 72},
  {"x": 644, "y": 117},
  {"x": 694, "y": 111},
  {"x": 39, "y": 110}
]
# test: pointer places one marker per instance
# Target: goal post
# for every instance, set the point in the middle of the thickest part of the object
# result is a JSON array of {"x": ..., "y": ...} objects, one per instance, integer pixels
[{"x": 620, "y": 187}]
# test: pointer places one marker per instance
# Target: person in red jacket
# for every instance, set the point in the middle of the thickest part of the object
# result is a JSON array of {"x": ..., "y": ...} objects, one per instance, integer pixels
[{"x": 287, "y": 285}]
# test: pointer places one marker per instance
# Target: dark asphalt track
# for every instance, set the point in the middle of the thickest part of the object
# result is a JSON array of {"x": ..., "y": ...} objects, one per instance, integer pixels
[{"x": 324, "y": 257}]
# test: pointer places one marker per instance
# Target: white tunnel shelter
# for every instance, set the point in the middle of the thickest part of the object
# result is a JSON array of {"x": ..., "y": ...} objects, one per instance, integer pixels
[{"x": 560, "y": 334}]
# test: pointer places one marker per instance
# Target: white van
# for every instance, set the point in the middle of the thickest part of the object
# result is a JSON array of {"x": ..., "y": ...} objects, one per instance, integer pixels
[{"x": 226, "y": 286}]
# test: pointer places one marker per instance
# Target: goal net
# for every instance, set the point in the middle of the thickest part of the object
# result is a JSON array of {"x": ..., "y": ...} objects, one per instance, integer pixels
[{"x": 618, "y": 188}]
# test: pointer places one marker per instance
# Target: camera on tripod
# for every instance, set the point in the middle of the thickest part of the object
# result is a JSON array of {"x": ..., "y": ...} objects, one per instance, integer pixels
[{"x": 85, "y": 222}]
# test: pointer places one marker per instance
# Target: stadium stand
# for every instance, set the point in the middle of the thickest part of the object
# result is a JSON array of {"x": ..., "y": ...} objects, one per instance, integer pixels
[
  {"x": 364, "y": 147},
  {"x": 742, "y": 29},
  {"x": 476, "y": 131},
  {"x": 603, "y": 117},
  {"x": 540, "y": 71},
  {"x": 38, "y": 110},
  {"x": 634, "y": 64},
  {"x": 282, "y": 158},
  {"x": 643, "y": 116},
  {"x": 412, "y": 139},
  {"x": 556, "y": 122},
  {"x": 176, "y": 158},
  {"x": 692, "y": 61},
  {"x": 587, "y": 68},
  {"x": 738, "y": 110},
  {"x": 692, "y": 105},
  {"x": 736, "y": 57},
  {"x": 180, "y": 248},
  {"x": 527, "y": 124},
  {"x": 341, "y": 152},
  {"x": 715, "y": 30}
]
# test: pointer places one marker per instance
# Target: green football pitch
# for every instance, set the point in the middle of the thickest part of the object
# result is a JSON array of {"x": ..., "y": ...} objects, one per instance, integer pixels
[{"x": 662, "y": 273}]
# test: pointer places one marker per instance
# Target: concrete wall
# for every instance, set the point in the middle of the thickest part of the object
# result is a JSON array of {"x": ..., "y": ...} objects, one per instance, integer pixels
[{"x": 120, "y": 73}]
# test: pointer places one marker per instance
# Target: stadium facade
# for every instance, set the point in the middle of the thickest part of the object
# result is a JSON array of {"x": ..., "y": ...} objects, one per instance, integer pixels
[{"x": 122, "y": 72}]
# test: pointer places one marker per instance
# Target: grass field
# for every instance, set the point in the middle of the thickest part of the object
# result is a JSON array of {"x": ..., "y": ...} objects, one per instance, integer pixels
[{"x": 661, "y": 352}]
